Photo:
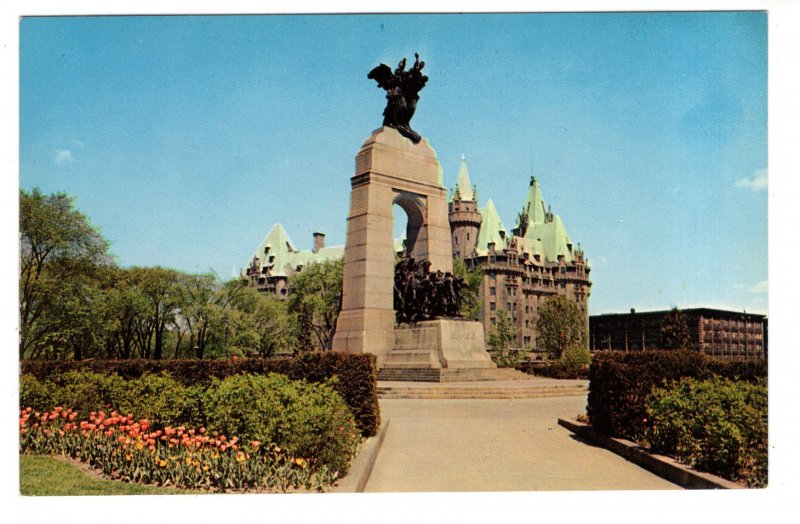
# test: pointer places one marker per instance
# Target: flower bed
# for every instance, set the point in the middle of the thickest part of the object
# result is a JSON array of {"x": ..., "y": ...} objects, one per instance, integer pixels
[
  {"x": 305, "y": 420},
  {"x": 357, "y": 373},
  {"x": 127, "y": 449}
]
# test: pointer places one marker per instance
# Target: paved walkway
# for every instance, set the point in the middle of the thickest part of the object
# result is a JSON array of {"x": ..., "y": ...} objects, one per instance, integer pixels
[{"x": 495, "y": 445}]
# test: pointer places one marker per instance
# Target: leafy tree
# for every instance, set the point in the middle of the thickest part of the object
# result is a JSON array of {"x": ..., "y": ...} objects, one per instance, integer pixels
[
  {"x": 316, "y": 292},
  {"x": 122, "y": 309},
  {"x": 560, "y": 326},
  {"x": 161, "y": 289},
  {"x": 305, "y": 327},
  {"x": 200, "y": 310},
  {"x": 70, "y": 321},
  {"x": 58, "y": 247},
  {"x": 263, "y": 324},
  {"x": 470, "y": 293},
  {"x": 675, "y": 331},
  {"x": 502, "y": 336}
]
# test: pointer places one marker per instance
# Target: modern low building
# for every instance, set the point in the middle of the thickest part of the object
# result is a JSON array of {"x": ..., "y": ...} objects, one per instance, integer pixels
[
  {"x": 522, "y": 268},
  {"x": 728, "y": 334}
]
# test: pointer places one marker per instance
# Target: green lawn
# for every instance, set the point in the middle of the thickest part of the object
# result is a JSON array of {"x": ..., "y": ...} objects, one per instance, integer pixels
[{"x": 41, "y": 475}]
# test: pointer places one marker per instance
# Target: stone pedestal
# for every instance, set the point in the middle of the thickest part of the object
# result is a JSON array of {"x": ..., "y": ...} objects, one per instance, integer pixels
[
  {"x": 441, "y": 343},
  {"x": 390, "y": 169}
]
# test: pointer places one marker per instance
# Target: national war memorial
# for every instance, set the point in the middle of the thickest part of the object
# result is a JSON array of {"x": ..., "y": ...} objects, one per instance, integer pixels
[{"x": 521, "y": 268}]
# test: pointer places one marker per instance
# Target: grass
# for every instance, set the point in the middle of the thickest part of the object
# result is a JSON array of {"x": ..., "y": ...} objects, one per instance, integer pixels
[{"x": 50, "y": 476}]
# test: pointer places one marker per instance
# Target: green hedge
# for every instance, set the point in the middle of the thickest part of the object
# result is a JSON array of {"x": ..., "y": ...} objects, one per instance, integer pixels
[
  {"x": 308, "y": 420},
  {"x": 717, "y": 425},
  {"x": 620, "y": 383},
  {"x": 357, "y": 375}
]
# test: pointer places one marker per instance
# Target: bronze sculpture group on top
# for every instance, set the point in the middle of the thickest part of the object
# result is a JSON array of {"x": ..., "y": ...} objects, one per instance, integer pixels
[
  {"x": 402, "y": 92},
  {"x": 422, "y": 294}
]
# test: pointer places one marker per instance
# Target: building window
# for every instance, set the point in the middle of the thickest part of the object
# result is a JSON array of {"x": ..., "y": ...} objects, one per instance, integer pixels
[
  {"x": 492, "y": 291},
  {"x": 492, "y": 306}
]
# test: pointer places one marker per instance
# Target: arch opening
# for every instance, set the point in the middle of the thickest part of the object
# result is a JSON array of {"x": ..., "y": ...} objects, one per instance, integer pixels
[{"x": 409, "y": 222}]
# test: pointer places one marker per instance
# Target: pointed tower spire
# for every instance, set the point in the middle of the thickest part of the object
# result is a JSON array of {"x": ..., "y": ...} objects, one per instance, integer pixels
[
  {"x": 534, "y": 203},
  {"x": 464, "y": 185},
  {"x": 492, "y": 229}
]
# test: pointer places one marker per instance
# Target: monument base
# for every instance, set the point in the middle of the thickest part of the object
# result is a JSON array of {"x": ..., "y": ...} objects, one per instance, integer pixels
[{"x": 439, "y": 344}]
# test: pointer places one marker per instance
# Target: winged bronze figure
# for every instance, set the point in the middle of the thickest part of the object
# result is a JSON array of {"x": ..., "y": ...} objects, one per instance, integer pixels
[{"x": 402, "y": 92}]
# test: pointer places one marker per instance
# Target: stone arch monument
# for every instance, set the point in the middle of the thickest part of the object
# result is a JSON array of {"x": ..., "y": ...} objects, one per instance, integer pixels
[
  {"x": 395, "y": 165},
  {"x": 390, "y": 169}
]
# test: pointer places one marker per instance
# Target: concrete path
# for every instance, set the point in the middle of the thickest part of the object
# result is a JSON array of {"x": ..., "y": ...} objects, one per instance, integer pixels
[{"x": 495, "y": 445}]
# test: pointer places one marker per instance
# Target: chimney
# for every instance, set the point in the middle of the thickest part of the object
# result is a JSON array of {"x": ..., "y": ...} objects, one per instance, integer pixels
[
  {"x": 633, "y": 311},
  {"x": 319, "y": 242}
]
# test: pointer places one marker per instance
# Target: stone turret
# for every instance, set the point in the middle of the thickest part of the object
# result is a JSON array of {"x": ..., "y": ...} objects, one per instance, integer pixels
[{"x": 465, "y": 219}]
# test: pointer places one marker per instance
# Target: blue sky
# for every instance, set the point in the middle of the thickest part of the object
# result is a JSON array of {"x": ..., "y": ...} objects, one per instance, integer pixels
[{"x": 184, "y": 139}]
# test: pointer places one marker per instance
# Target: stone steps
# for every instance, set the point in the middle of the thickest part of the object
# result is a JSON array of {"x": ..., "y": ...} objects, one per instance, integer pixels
[
  {"x": 484, "y": 391},
  {"x": 410, "y": 374},
  {"x": 480, "y": 375},
  {"x": 450, "y": 375}
]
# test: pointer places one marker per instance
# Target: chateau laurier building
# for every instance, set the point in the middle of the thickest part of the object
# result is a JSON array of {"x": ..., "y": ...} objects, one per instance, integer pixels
[{"x": 521, "y": 268}]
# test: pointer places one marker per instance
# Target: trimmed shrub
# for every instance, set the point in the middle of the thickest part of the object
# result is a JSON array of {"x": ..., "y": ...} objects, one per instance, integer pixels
[
  {"x": 85, "y": 392},
  {"x": 573, "y": 364},
  {"x": 716, "y": 425},
  {"x": 357, "y": 384},
  {"x": 162, "y": 400},
  {"x": 35, "y": 394},
  {"x": 620, "y": 383},
  {"x": 307, "y": 420},
  {"x": 576, "y": 357}
]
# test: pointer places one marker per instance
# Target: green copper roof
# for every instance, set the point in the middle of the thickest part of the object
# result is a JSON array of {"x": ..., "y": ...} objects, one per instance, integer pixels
[
  {"x": 531, "y": 246},
  {"x": 534, "y": 203},
  {"x": 275, "y": 249},
  {"x": 553, "y": 239},
  {"x": 464, "y": 186},
  {"x": 279, "y": 255},
  {"x": 491, "y": 227},
  {"x": 282, "y": 259}
]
